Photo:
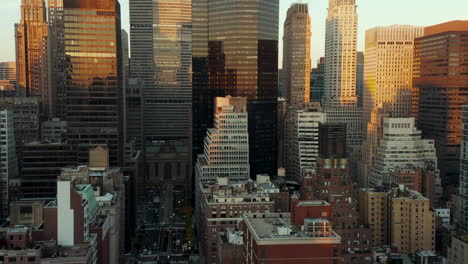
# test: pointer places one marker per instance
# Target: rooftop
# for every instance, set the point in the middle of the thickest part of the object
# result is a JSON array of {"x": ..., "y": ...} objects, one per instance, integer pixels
[
  {"x": 106, "y": 198},
  {"x": 313, "y": 203},
  {"x": 277, "y": 228},
  {"x": 18, "y": 229}
]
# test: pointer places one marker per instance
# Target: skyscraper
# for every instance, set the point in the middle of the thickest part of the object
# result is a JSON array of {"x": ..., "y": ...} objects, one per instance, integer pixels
[
  {"x": 464, "y": 172},
  {"x": 296, "y": 55},
  {"x": 340, "y": 51},
  {"x": 339, "y": 98},
  {"x": 8, "y": 163},
  {"x": 162, "y": 58},
  {"x": 92, "y": 88},
  {"x": 440, "y": 82},
  {"x": 32, "y": 53},
  {"x": 236, "y": 53},
  {"x": 387, "y": 83},
  {"x": 388, "y": 69}
]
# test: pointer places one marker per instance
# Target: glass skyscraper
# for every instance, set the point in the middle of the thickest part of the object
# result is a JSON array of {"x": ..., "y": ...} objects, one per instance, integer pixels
[
  {"x": 239, "y": 59},
  {"x": 161, "y": 34},
  {"x": 92, "y": 85},
  {"x": 464, "y": 172}
]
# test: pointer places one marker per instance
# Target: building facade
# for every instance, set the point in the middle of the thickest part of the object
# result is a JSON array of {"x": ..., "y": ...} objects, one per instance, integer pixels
[
  {"x": 32, "y": 51},
  {"x": 373, "y": 205},
  {"x": 302, "y": 144},
  {"x": 41, "y": 164},
  {"x": 161, "y": 57},
  {"x": 269, "y": 237},
  {"x": 388, "y": 69},
  {"x": 26, "y": 117},
  {"x": 317, "y": 76},
  {"x": 401, "y": 145},
  {"x": 93, "y": 90},
  {"x": 458, "y": 250},
  {"x": 440, "y": 90},
  {"x": 331, "y": 182},
  {"x": 8, "y": 71},
  {"x": 412, "y": 223},
  {"x": 360, "y": 78},
  {"x": 464, "y": 173},
  {"x": 296, "y": 55},
  {"x": 9, "y": 162},
  {"x": 227, "y": 144},
  {"x": 399, "y": 217},
  {"x": 339, "y": 99},
  {"x": 238, "y": 59},
  {"x": 134, "y": 111},
  {"x": 221, "y": 208}
]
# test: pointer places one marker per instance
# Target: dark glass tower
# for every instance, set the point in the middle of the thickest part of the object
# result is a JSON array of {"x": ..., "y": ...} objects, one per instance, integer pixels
[
  {"x": 440, "y": 83},
  {"x": 92, "y": 88},
  {"x": 235, "y": 52}
]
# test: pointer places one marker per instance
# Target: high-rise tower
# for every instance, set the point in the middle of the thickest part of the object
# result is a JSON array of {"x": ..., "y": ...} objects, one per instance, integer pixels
[
  {"x": 387, "y": 83},
  {"x": 240, "y": 59},
  {"x": 339, "y": 98},
  {"x": 9, "y": 163},
  {"x": 440, "y": 84},
  {"x": 388, "y": 69},
  {"x": 162, "y": 58},
  {"x": 32, "y": 53},
  {"x": 340, "y": 51},
  {"x": 296, "y": 55},
  {"x": 464, "y": 172},
  {"x": 90, "y": 85}
]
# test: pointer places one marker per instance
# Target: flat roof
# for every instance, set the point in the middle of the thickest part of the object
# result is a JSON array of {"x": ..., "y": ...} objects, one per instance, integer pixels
[
  {"x": 265, "y": 228},
  {"x": 312, "y": 203}
]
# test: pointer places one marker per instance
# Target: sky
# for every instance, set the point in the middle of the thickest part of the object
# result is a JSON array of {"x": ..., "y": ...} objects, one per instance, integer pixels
[{"x": 371, "y": 13}]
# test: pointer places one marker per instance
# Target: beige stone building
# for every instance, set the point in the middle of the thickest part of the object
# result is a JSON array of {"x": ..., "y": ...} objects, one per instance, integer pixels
[
  {"x": 296, "y": 55},
  {"x": 373, "y": 210},
  {"x": 401, "y": 218},
  {"x": 458, "y": 250},
  {"x": 387, "y": 82},
  {"x": 412, "y": 223},
  {"x": 388, "y": 68}
]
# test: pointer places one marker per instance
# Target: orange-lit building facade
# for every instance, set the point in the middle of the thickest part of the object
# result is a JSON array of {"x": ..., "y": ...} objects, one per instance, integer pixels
[
  {"x": 32, "y": 51},
  {"x": 92, "y": 85},
  {"x": 440, "y": 80}
]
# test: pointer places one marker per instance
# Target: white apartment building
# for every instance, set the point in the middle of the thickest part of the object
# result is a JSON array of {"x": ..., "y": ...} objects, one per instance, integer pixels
[
  {"x": 226, "y": 148},
  {"x": 8, "y": 161},
  {"x": 401, "y": 145},
  {"x": 303, "y": 138}
]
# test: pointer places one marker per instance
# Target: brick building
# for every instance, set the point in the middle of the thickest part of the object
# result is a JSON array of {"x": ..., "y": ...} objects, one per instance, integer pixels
[
  {"x": 222, "y": 206},
  {"x": 273, "y": 238},
  {"x": 331, "y": 182}
]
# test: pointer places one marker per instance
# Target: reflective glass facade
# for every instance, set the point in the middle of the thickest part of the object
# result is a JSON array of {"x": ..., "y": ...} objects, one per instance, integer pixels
[
  {"x": 440, "y": 88},
  {"x": 464, "y": 172},
  {"x": 162, "y": 57},
  {"x": 93, "y": 85},
  {"x": 242, "y": 60}
]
